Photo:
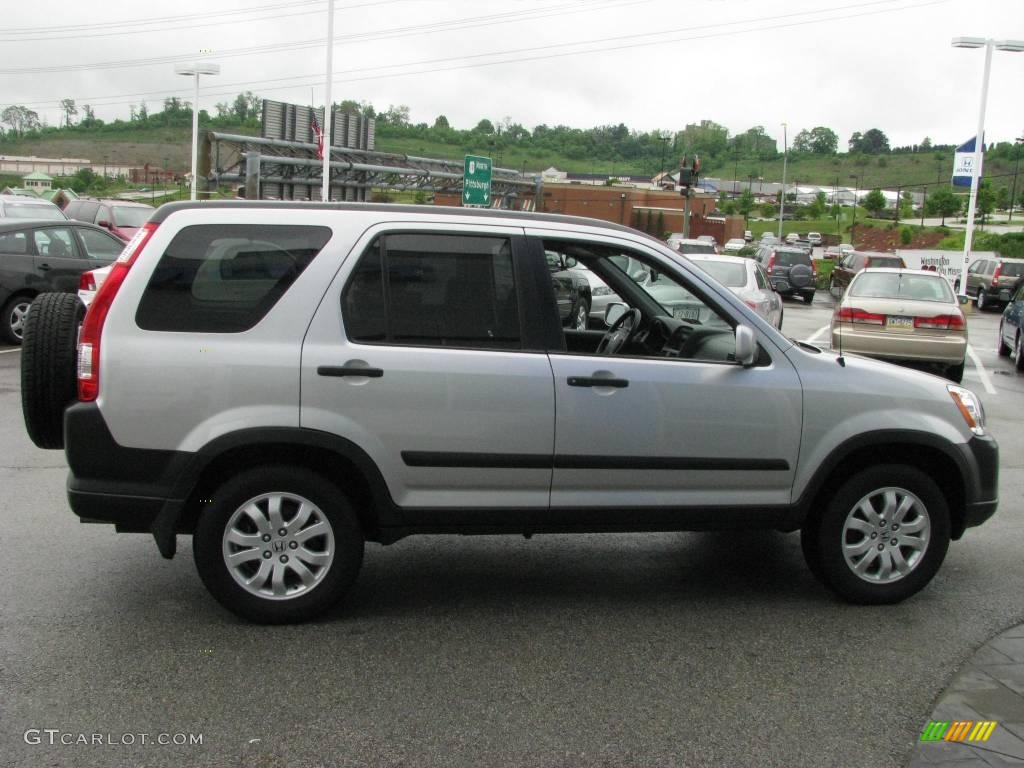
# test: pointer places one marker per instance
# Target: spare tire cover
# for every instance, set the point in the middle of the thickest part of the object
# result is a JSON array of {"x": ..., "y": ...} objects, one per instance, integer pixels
[{"x": 800, "y": 276}]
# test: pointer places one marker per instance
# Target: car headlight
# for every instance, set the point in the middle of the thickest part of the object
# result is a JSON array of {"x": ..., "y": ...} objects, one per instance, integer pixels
[
  {"x": 970, "y": 408},
  {"x": 603, "y": 290}
]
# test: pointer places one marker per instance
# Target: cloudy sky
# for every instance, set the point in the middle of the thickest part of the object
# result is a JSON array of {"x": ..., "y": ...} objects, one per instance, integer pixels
[{"x": 651, "y": 64}]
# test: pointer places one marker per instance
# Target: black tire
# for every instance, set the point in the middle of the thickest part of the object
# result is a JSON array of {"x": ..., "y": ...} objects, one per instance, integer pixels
[
  {"x": 808, "y": 297},
  {"x": 332, "y": 584},
  {"x": 581, "y": 316},
  {"x": 13, "y": 318},
  {"x": 822, "y": 536},
  {"x": 955, "y": 373},
  {"x": 981, "y": 301},
  {"x": 49, "y": 366},
  {"x": 1018, "y": 348},
  {"x": 1001, "y": 346},
  {"x": 782, "y": 314}
]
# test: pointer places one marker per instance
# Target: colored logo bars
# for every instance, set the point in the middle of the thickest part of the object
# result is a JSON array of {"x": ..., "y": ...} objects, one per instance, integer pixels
[{"x": 958, "y": 730}]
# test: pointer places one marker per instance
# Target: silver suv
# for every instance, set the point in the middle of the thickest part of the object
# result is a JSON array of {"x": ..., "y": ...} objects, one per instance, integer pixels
[{"x": 287, "y": 381}]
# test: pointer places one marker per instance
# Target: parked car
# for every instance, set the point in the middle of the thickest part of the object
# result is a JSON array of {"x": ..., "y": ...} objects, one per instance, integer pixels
[
  {"x": 601, "y": 294},
  {"x": 845, "y": 248},
  {"x": 284, "y": 382},
  {"x": 790, "y": 269},
  {"x": 748, "y": 236},
  {"x": 39, "y": 256},
  {"x": 902, "y": 315},
  {"x": 708, "y": 239},
  {"x": 989, "y": 281},
  {"x": 89, "y": 283},
  {"x": 815, "y": 238},
  {"x": 745, "y": 278},
  {"x": 572, "y": 290},
  {"x": 23, "y": 207},
  {"x": 691, "y": 245},
  {"x": 1011, "y": 338},
  {"x": 121, "y": 217},
  {"x": 792, "y": 237},
  {"x": 832, "y": 253},
  {"x": 734, "y": 246},
  {"x": 854, "y": 262}
]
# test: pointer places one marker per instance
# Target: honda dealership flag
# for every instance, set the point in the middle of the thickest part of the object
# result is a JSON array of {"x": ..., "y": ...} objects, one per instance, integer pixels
[
  {"x": 318, "y": 135},
  {"x": 963, "y": 163}
]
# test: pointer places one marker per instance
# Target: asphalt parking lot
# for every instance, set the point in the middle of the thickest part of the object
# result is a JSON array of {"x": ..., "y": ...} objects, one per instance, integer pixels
[{"x": 611, "y": 650}]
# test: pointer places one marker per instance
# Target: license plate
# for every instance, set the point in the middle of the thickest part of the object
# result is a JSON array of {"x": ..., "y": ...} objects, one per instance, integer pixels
[
  {"x": 897, "y": 321},
  {"x": 686, "y": 313}
]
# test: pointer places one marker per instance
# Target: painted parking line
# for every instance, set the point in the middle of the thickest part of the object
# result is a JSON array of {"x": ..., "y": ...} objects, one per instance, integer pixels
[
  {"x": 8, "y": 351},
  {"x": 986, "y": 381},
  {"x": 818, "y": 333}
]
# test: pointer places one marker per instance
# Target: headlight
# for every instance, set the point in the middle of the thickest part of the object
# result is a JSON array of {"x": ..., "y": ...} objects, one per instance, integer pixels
[
  {"x": 970, "y": 408},
  {"x": 603, "y": 290}
]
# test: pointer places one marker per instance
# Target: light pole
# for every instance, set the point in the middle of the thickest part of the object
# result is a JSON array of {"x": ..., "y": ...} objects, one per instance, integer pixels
[
  {"x": 1014, "y": 46},
  {"x": 1016, "y": 167},
  {"x": 853, "y": 226},
  {"x": 194, "y": 71},
  {"x": 665, "y": 138},
  {"x": 785, "y": 157}
]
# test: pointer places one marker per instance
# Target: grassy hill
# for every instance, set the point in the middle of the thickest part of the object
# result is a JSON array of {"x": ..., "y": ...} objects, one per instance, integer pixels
[{"x": 132, "y": 144}]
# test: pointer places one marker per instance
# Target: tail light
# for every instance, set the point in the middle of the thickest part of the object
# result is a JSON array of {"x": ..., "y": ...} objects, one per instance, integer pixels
[
  {"x": 855, "y": 315},
  {"x": 92, "y": 327},
  {"x": 814, "y": 269},
  {"x": 86, "y": 282},
  {"x": 770, "y": 265},
  {"x": 997, "y": 274},
  {"x": 941, "y": 322},
  {"x": 867, "y": 262}
]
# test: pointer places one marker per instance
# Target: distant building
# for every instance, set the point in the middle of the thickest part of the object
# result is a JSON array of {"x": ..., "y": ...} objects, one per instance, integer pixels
[{"x": 37, "y": 181}]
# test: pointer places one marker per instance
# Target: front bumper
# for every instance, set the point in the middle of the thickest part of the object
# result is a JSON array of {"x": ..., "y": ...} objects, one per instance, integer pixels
[{"x": 981, "y": 486}]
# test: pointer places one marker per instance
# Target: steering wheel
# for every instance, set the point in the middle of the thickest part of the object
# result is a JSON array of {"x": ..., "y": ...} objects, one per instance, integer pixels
[{"x": 621, "y": 333}]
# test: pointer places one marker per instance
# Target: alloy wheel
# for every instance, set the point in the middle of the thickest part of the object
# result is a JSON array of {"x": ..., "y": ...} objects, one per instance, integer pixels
[
  {"x": 886, "y": 535},
  {"x": 17, "y": 318}
]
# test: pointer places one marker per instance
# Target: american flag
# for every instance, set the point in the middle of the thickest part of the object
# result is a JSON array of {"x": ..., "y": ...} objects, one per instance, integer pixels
[{"x": 318, "y": 133}]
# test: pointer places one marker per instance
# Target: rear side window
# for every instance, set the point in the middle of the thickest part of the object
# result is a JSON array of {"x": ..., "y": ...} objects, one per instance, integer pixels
[
  {"x": 224, "y": 278},
  {"x": 1012, "y": 268},
  {"x": 434, "y": 290}
]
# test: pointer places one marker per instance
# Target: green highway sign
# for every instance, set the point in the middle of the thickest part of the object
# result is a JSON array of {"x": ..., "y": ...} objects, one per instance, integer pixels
[{"x": 476, "y": 181}]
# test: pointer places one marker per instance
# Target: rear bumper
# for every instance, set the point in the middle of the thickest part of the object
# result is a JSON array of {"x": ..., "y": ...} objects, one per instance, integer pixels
[{"x": 949, "y": 349}]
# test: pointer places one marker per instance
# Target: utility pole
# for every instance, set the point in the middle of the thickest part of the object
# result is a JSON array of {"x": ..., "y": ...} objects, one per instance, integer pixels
[
  {"x": 924, "y": 202},
  {"x": 897, "y": 212},
  {"x": 785, "y": 157}
]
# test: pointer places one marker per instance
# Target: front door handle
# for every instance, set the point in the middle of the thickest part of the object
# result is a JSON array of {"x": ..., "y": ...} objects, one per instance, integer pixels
[
  {"x": 44, "y": 267},
  {"x": 349, "y": 370},
  {"x": 597, "y": 381}
]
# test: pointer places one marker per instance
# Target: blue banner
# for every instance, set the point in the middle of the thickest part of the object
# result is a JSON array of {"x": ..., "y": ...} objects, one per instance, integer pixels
[{"x": 963, "y": 164}]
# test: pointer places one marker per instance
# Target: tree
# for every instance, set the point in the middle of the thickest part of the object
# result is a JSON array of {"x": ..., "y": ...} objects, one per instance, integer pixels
[
  {"x": 906, "y": 205},
  {"x": 854, "y": 144},
  {"x": 349, "y": 107},
  {"x": 1002, "y": 198},
  {"x": 21, "y": 119},
  {"x": 441, "y": 123},
  {"x": 223, "y": 109},
  {"x": 986, "y": 202},
  {"x": 926, "y": 143},
  {"x": 746, "y": 203},
  {"x": 485, "y": 126},
  {"x": 240, "y": 108},
  {"x": 942, "y": 203},
  {"x": 90, "y": 117},
  {"x": 143, "y": 112},
  {"x": 396, "y": 116},
  {"x": 818, "y": 141},
  {"x": 874, "y": 202},
  {"x": 871, "y": 142},
  {"x": 69, "y": 109}
]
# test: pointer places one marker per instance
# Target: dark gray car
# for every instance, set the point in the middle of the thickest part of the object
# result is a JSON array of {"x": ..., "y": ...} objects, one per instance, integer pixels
[
  {"x": 790, "y": 269},
  {"x": 40, "y": 256}
]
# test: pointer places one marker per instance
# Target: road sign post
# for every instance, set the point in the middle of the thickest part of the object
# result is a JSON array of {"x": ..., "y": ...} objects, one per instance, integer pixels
[{"x": 476, "y": 181}]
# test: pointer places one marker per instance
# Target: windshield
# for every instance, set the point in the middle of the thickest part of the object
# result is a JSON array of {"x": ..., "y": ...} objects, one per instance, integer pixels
[
  {"x": 789, "y": 258},
  {"x": 896, "y": 285},
  {"x": 125, "y": 216},
  {"x": 885, "y": 261},
  {"x": 728, "y": 273},
  {"x": 48, "y": 212},
  {"x": 696, "y": 248}
]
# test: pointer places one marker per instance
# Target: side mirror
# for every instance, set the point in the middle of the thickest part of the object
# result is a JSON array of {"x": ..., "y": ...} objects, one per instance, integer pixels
[
  {"x": 746, "y": 345},
  {"x": 613, "y": 312},
  {"x": 569, "y": 262}
]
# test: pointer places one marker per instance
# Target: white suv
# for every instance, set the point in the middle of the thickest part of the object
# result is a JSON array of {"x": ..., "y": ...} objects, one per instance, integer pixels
[{"x": 287, "y": 381}]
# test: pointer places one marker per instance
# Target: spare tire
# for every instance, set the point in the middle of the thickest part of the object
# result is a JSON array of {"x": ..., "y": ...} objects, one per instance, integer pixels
[
  {"x": 800, "y": 276},
  {"x": 49, "y": 366}
]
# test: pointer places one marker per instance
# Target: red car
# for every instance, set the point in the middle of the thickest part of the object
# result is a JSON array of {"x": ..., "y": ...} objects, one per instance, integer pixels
[{"x": 121, "y": 217}]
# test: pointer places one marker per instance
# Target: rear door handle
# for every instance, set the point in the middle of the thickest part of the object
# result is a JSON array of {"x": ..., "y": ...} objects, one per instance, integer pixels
[
  {"x": 597, "y": 381},
  {"x": 44, "y": 267},
  {"x": 349, "y": 370}
]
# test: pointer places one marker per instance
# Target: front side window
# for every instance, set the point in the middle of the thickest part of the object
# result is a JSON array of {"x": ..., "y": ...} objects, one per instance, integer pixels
[
  {"x": 440, "y": 290},
  {"x": 55, "y": 243},
  {"x": 224, "y": 278}
]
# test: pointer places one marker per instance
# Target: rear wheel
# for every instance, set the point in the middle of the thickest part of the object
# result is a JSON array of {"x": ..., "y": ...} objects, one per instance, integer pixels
[
  {"x": 278, "y": 544},
  {"x": 1018, "y": 347},
  {"x": 808, "y": 297},
  {"x": 955, "y": 373},
  {"x": 49, "y": 376},
  {"x": 882, "y": 537},
  {"x": 981, "y": 301},
  {"x": 12, "y": 324},
  {"x": 1002, "y": 347}
]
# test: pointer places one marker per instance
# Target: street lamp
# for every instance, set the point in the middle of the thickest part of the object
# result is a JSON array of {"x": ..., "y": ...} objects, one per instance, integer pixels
[
  {"x": 853, "y": 226},
  {"x": 785, "y": 156},
  {"x": 1013, "y": 195},
  {"x": 1013, "y": 46},
  {"x": 194, "y": 71}
]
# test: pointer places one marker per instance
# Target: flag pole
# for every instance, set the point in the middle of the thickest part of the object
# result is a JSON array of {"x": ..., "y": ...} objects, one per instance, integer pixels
[{"x": 325, "y": 193}]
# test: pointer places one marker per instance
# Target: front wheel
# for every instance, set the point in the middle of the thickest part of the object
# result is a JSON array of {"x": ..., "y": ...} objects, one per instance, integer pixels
[
  {"x": 882, "y": 537},
  {"x": 12, "y": 322},
  {"x": 1002, "y": 347},
  {"x": 582, "y": 315},
  {"x": 278, "y": 544}
]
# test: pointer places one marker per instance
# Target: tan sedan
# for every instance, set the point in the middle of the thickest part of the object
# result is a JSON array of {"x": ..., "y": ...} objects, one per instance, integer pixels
[{"x": 902, "y": 315}]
